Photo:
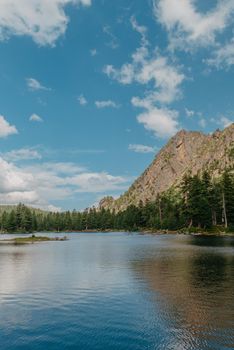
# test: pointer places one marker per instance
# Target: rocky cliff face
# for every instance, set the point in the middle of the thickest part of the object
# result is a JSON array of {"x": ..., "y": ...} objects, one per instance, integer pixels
[{"x": 186, "y": 151}]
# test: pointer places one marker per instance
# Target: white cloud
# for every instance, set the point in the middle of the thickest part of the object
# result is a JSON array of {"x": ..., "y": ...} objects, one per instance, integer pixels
[
  {"x": 162, "y": 80},
  {"x": 142, "y": 30},
  {"x": 97, "y": 182},
  {"x": 147, "y": 68},
  {"x": 43, "y": 20},
  {"x": 223, "y": 56},
  {"x": 189, "y": 112},
  {"x": 124, "y": 75},
  {"x": 26, "y": 197},
  {"x": 40, "y": 184},
  {"x": 105, "y": 104},
  {"x": 5, "y": 128},
  {"x": 187, "y": 27},
  {"x": 54, "y": 208},
  {"x": 141, "y": 148},
  {"x": 12, "y": 179},
  {"x": 35, "y": 85},
  {"x": 163, "y": 122},
  {"x": 82, "y": 100},
  {"x": 225, "y": 122},
  {"x": 35, "y": 118},
  {"x": 22, "y": 154}
]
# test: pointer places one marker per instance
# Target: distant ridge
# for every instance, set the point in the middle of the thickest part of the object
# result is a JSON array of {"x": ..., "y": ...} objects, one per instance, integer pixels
[
  {"x": 187, "y": 151},
  {"x": 9, "y": 208}
]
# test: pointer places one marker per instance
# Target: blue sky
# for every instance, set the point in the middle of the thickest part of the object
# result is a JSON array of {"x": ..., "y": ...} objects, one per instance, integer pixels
[{"x": 91, "y": 89}]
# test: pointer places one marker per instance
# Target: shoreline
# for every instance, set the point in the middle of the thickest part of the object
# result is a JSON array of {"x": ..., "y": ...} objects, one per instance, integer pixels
[
  {"x": 200, "y": 234},
  {"x": 140, "y": 232},
  {"x": 32, "y": 239}
]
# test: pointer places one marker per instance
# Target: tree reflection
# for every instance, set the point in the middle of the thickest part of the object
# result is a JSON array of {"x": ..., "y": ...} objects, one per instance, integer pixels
[{"x": 193, "y": 289}]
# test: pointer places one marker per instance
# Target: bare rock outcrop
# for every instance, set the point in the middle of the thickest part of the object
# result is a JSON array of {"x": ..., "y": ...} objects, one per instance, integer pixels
[{"x": 187, "y": 151}]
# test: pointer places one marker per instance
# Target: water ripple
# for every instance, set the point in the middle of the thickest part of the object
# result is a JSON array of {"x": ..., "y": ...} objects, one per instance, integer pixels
[{"x": 118, "y": 291}]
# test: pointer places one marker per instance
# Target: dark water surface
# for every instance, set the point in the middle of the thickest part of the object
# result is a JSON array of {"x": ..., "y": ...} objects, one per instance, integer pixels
[{"x": 118, "y": 291}]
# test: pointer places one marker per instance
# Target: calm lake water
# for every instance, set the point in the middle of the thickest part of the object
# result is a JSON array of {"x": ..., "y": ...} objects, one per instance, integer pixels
[{"x": 118, "y": 291}]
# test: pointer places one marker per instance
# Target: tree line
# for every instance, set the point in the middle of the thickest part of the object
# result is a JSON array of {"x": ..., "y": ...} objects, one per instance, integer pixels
[{"x": 200, "y": 203}]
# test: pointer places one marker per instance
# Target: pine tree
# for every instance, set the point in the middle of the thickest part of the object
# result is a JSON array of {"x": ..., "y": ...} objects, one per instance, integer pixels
[
  {"x": 11, "y": 222},
  {"x": 26, "y": 220},
  {"x": 227, "y": 183}
]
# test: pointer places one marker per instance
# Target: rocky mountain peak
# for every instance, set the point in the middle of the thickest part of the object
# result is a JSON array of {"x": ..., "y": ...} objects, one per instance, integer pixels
[{"x": 187, "y": 151}]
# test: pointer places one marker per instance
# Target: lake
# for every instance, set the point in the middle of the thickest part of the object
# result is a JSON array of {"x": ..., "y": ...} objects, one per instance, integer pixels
[{"x": 118, "y": 291}]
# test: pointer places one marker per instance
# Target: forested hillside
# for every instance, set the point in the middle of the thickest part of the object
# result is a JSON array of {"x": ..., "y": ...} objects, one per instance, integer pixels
[{"x": 202, "y": 203}]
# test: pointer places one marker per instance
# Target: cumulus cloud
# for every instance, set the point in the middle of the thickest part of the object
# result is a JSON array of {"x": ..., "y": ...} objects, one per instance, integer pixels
[
  {"x": 162, "y": 79},
  {"x": 105, "y": 104},
  {"x": 6, "y": 128},
  {"x": 40, "y": 184},
  {"x": 189, "y": 28},
  {"x": 35, "y": 118},
  {"x": 138, "y": 148},
  {"x": 43, "y": 20},
  {"x": 146, "y": 68},
  {"x": 35, "y": 85},
  {"x": 82, "y": 100},
  {"x": 12, "y": 179},
  {"x": 163, "y": 122}
]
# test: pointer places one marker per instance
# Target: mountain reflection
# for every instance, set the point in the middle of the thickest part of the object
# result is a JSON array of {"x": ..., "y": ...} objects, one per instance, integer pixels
[{"x": 194, "y": 290}]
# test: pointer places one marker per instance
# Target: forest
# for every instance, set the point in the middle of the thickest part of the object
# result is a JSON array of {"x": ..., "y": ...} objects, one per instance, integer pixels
[{"x": 200, "y": 203}]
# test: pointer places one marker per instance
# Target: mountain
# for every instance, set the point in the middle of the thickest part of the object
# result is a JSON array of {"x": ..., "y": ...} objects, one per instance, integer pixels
[{"x": 187, "y": 151}]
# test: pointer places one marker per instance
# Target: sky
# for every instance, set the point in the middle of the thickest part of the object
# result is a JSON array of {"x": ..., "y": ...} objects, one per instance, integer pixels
[{"x": 90, "y": 90}]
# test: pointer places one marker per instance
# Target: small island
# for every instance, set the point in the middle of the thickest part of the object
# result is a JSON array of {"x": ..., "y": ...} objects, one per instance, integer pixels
[{"x": 32, "y": 239}]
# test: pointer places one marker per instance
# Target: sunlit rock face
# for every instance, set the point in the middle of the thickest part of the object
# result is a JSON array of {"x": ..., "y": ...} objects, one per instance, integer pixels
[{"x": 187, "y": 151}]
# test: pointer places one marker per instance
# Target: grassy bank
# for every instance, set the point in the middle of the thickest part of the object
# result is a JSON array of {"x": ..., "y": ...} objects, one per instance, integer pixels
[{"x": 32, "y": 239}]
